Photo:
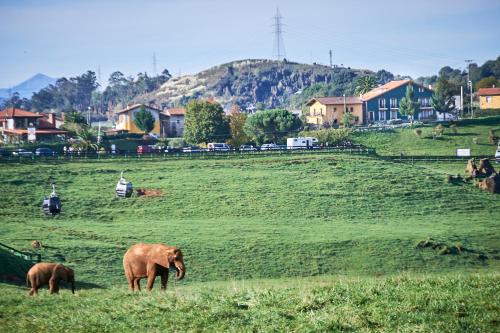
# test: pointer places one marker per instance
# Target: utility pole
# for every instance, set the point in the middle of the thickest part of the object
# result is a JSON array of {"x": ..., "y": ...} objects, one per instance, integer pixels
[
  {"x": 469, "y": 83},
  {"x": 331, "y": 62},
  {"x": 461, "y": 101},
  {"x": 279, "y": 45}
]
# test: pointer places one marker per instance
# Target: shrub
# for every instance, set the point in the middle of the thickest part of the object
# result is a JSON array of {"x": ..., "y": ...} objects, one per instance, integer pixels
[
  {"x": 418, "y": 132},
  {"x": 176, "y": 143},
  {"x": 454, "y": 128},
  {"x": 329, "y": 136},
  {"x": 439, "y": 130}
]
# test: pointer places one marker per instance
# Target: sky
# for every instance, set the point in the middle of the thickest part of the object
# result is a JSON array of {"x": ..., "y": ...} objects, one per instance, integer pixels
[{"x": 68, "y": 37}]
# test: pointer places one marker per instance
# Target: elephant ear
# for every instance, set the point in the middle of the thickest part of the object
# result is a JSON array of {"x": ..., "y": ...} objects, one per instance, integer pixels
[
  {"x": 163, "y": 256},
  {"x": 60, "y": 272}
]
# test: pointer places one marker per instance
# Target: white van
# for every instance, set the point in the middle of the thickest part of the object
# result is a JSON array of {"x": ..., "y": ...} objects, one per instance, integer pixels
[
  {"x": 301, "y": 143},
  {"x": 212, "y": 146}
]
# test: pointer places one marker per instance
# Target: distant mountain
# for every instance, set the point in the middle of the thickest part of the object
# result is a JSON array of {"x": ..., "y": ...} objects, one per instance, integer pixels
[
  {"x": 28, "y": 87},
  {"x": 261, "y": 82}
]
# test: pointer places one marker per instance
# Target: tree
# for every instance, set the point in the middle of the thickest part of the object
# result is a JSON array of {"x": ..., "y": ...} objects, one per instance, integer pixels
[
  {"x": 205, "y": 122},
  {"x": 271, "y": 125},
  {"x": 74, "y": 117},
  {"x": 144, "y": 120},
  {"x": 364, "y": 84},
  {"x": 442, "y": 99},
  {"x": 488, "y": 82},
  {"x": 347, "y": 119},
  {"x": 407, "y": 105},
  {"x": 237, "y": 121}
]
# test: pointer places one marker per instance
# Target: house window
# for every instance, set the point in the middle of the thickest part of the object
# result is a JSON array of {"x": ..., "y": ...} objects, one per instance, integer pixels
[
  {"x": 394, "y": 114},
  {"x": 371, "y": 115},
  {"x": 352, "y": 109},
  {"x": 356, "y": 119},
  {"x": 394, "y": 103},
  {"x": 381, "y": 115},
  {"x": 488, "y": 99},
  {"x": 334, "y": 109},
  {"x": 420, "y": 89},
  {"x": 381, "y": 103}
]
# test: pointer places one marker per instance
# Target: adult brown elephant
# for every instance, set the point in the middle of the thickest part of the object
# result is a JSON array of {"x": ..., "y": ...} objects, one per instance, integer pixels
[
  {"x": 151, "y": 260},
  {"x": 49, "y": 273}
]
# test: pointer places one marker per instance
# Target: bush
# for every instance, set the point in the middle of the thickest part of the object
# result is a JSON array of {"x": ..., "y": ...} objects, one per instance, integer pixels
[
  {"x": 454, "y": 128},
  {"x": 418, "y": 132},
  {"x": 329, "y": 136},
  {"x": 176, "y": 143},
  {"x": 439, "y": 130}
]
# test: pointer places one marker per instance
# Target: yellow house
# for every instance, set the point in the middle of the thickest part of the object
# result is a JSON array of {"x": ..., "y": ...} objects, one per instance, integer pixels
[
  {"x": 489, "y": 98},
  {"x": 126, "y": 119},
  {"x": 328, "y": 111}
]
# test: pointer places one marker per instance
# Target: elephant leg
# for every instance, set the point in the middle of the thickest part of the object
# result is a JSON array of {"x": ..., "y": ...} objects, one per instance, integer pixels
[
  {"x": 164, "y": 279},
  {"x": 151, "y": 277},
  {"x": 130, "y": 282},
  {"x": 53, "y": 286},
  {"x": 137, "y": 284}
]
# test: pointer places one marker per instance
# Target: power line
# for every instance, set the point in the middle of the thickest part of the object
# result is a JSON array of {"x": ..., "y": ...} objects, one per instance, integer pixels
[{"x": 279, "y": 45}]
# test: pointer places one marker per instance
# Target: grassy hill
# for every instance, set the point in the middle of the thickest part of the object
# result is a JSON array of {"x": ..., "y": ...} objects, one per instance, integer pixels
[
  {"x": 394, "y": 142},
  {"x": 280, "y": 217}
]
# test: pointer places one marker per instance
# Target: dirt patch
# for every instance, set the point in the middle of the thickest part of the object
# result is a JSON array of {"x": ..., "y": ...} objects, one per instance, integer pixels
[{"x": 147, "y": 192}]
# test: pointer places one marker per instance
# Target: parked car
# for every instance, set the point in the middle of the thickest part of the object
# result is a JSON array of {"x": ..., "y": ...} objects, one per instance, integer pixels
[
  {"x": 45, "y": 152},
  {"x": 21, "y": 152},
  {"x": 269, "y": 146},
  {"x": 497, "y": 155},
  {"x": 147, "y": 149},
  {"x": 192, "y": 149},
  {"x": 212, "y": 146},
  {"x": 248, "y": 148}
]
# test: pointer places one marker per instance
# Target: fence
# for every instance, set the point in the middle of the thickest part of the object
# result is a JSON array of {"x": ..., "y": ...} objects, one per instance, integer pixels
[
  {"x": 33, "y": 257},
  {"x": 351, "y": 149}
]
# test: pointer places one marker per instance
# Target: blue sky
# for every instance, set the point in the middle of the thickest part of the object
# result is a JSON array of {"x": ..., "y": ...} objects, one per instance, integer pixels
[{"x": 66, "y": 38}]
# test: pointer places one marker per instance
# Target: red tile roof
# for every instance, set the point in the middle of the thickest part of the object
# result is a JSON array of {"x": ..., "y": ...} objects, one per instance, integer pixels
[
  {"x": 176, "y": 112},
  {"x": 488, "y": 91},
  {"x": 383, "y": 89},
  {"x": 135, "y": 106},
  {"x": 335, "y": 100},
  {"x": 14, "y": 112}
]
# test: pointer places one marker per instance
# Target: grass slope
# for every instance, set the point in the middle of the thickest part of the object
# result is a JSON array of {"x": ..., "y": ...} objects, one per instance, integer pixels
[
  {"x": 254, "y": 218},
  {"x": 407, "y": 142},
  {"x": 401, "y": 304}
]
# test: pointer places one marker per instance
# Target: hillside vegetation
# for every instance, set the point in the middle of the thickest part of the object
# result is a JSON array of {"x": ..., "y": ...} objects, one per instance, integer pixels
[{"x": 267, "y": 83}]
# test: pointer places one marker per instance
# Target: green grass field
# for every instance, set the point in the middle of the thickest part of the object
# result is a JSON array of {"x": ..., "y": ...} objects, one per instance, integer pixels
[
  {"x": 345, "y": 228},
  {"x": 407, "y": 142}
]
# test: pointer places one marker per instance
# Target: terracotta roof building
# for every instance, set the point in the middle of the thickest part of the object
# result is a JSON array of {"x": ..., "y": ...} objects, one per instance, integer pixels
[{"x": 489, "y": 98}]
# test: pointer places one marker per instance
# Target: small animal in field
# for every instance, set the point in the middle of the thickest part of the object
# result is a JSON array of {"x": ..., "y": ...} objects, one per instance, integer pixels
[
  {"x": 36, "y": 244},
  {"x": 151, "y": 260},
  {"x": 49, "y": 273}
]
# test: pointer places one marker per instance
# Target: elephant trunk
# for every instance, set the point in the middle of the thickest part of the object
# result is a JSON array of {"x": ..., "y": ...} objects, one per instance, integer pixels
[{"x": 181, "y": 271}]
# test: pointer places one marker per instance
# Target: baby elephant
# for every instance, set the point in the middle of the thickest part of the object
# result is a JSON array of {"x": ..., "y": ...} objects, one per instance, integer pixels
[{"x": 49, "y": 273}]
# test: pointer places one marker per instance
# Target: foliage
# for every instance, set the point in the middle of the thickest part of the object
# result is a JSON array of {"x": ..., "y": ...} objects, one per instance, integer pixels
[
  {"x": 330, "y": 136},
  {"x": 67, "y": 94},
  {"x": 408, "y": 106},
  {"x": 439, "y": 129},
  {"x": 144, "y": 120},
  {"x": 205, "y": 122},
  {"x": 488, "y": 82},
  {"x": 74, "y": 117},
  {"x": 16, "y": 101},
  {"x": 237, "y": 121},
  {"x": 364, "y": 84},
  {"x": 442, "y": 99},
  {"x": 347, "y": 119},
  {"x": 176, "y": 143},
  {"x": 272, "y": 126},
  {"x": 87, "y": 138}
]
